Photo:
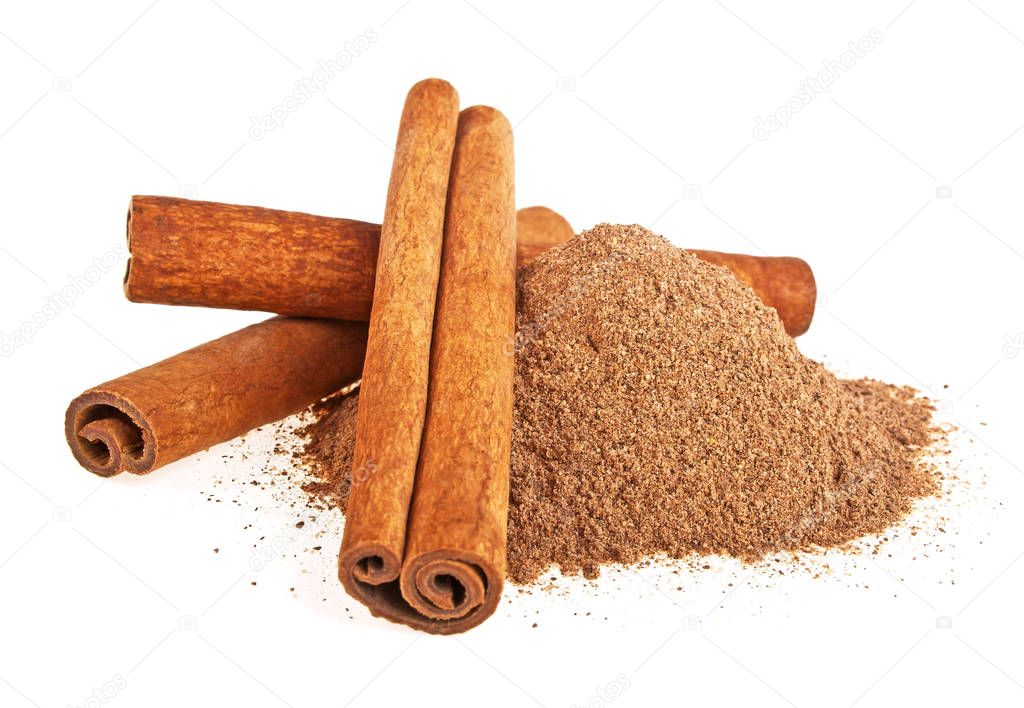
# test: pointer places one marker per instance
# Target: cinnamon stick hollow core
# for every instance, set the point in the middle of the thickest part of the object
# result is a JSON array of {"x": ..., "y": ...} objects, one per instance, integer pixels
[{"x": 212, "y": 393}]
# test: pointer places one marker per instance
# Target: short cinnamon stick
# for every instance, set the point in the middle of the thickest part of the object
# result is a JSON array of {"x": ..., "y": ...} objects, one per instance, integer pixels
[
  {"x": 393, "y": 400},
  {"x": 785, "y": 283},
  {"x": 539, "y": 229},
  {"x": 212, "y": 393},
  {"x": 188, "y": 252}
]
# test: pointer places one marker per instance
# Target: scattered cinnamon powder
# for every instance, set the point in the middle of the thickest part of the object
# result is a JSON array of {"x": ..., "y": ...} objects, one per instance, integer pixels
[
  {"x": 328, "y": 444},
  {"x": 661, "y": 409}
]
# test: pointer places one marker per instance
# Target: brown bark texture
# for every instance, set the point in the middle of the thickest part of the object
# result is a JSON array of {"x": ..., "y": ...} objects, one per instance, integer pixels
[
  {"x": 453, "y": 568},
  {"x": 393, "y": 392},
  {"x": 212, "y": 393},
  {"x": 455, "y": 555},
  {"x": 187, "y": 252}
]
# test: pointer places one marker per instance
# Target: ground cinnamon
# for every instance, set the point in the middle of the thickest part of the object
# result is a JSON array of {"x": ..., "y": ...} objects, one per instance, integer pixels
[
  {"x": 784, "y": 283},
  {"x": 666, "y": 412},
  {"x": 660, "y": 409}
]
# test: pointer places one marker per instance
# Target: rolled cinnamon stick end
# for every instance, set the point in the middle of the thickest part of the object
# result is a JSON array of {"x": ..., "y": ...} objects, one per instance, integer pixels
[
  {"x": 785, "y": 283},
  {"x": 393, "y": 392},
  {"x": 190, "y": 252},
  {"x": 455, "y": 551},
  {"x": 212, "y": 393}
]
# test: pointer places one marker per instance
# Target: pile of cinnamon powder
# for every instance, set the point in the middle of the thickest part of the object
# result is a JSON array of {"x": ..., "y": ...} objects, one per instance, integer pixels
[{"x": 661, "y": 409}]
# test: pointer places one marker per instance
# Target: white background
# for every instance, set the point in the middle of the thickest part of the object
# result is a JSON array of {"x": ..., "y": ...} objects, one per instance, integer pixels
[{"x": 635, "y": 112}]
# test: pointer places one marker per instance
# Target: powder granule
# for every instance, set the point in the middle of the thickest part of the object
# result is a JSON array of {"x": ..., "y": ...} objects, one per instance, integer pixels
[{"x": 661, "y": 409}]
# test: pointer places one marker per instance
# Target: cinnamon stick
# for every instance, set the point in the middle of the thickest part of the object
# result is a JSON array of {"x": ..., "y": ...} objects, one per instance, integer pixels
[
  {"x": 454, "y": 562},
  {"x": 149, "y": 418},
  {"x": 393, "y": 400},
  {"x": 539, "y": 229},
  {"x": 212, "y": 393},
  {"x": 188, "y": 252},
  {"x": 455, "y": 556},
  {"x": 785, "y": 283}
]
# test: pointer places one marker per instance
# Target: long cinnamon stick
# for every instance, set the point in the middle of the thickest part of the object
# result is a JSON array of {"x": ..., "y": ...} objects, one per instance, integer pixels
[
  {"x": 455, "y": 556},
  {"x": 218, "y": 255},
  {"x": 454, "y": 564},
  {"x": 393, "y": 403},
  {"x": 212, "y": 393},
  {"x": 186, "y": 252},
  {"x": 189, "y": 252}
]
